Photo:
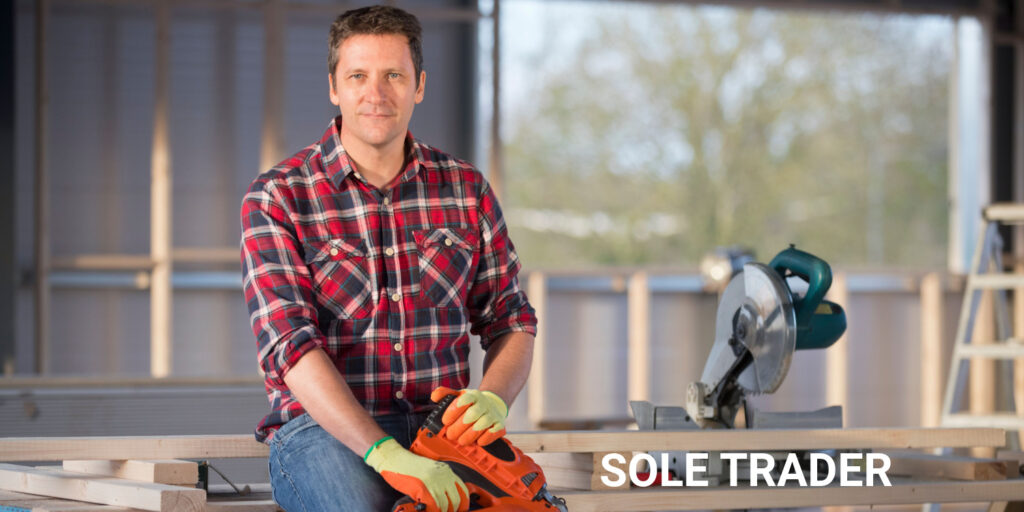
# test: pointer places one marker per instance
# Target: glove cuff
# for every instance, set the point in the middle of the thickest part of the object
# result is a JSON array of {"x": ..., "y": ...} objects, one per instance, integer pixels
[
  {"x": 500, "y": 401},
  {"x": 366, "y": 457}
]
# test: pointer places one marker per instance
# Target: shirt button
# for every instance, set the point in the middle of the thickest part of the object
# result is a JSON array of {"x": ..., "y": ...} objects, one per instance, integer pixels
[
  {"x": 387, "y": 201},
  {"x": 396, "y": 297},
  {"x": 399, "y": 395},
  {"x": 389, "y": 251},
  {"x": 448, "y": 242},
  {"x": 398, "y": 347},
  {"x": 334, "y": 251}
]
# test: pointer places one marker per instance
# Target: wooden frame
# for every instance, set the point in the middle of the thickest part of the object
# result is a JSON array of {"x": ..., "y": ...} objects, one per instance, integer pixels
[
  {"x": 568, "y": 456},
  {"x": 761, "y": 497},
  {"x": 245, "y": 446},
  {"x": 756, "y": 440},
  {"x": 99, "y": 489}
]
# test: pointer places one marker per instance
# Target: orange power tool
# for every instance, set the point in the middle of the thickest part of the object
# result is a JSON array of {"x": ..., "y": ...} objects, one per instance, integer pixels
[{"x": 499, "y": 476}]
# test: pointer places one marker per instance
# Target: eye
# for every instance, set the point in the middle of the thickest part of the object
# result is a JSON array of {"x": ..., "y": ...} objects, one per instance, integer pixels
[
  {"x": 357, "y": 76},
  {"x": 394, "y": 76}
]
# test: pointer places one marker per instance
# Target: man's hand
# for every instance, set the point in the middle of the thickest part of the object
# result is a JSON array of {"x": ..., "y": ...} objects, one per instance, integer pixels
[
  {"x": 424, "y": 480},
  {"x": 475, "y": 416}
]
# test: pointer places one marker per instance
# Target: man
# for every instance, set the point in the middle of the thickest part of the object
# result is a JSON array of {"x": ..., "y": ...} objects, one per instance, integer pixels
[{"x": 367, "y": 258}]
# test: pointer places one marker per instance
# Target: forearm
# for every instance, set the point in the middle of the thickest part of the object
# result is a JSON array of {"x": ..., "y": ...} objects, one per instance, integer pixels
[
  {"x": 325, "y": 395},
  {"x": 507, "y": 365}
]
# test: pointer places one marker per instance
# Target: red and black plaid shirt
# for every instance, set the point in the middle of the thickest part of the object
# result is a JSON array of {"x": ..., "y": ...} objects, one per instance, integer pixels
[{"x": 387, "y": 283}]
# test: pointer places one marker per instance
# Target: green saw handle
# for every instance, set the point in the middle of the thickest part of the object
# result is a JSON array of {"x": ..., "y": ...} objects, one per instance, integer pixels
[{"x": 819, "y": 322}]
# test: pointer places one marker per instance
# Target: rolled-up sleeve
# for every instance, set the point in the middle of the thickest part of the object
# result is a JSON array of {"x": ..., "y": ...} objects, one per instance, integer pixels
[
  {"x": 277, "y": 284},
  {"x": 497, "y": 305}
]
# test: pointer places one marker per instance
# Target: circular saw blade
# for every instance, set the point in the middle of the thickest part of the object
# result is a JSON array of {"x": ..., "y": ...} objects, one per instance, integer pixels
[{"x": 757, "y": 309}]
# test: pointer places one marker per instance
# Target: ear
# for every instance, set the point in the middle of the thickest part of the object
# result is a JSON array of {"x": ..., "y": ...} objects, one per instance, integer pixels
[
  {"x": 333, "y": 93},
  {"x": 420, "y": 89}
]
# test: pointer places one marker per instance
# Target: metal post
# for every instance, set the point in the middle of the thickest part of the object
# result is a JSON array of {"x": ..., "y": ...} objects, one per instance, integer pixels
[
  {"x": 42, "y": 196},
  {"x": 161, "y": 334},
  {"x": 8, "y": 259},
  {"x": 1018, "y": 196},
  {"x": 954, "y": 249},
  {"x": 497, "y": 176}
]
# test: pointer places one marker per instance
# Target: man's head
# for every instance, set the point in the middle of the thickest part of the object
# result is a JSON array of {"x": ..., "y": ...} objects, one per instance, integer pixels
[
  {"x": 376, "y": 76},
  {"x": 376, "y": 20}
]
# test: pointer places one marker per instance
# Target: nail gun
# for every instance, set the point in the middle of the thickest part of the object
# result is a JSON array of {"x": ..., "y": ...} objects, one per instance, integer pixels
[{"x": 499, "y": 476}]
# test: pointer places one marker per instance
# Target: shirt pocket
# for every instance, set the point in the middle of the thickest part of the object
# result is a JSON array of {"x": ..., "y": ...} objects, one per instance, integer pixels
[
  {"x": 446, "y": 260},
  {"x": 341, "y": 282}
]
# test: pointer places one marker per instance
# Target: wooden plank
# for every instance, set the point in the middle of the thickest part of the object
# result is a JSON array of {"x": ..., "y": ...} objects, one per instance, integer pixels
[
  {"x": 948, "y": 467},
  {"x": 132, "y": 447},
  {"x": 171, "y": 472},
  {"x": 982, "y": 374},
  {"x": 102, "y": 490},
  {"x": 754, "y": 440},
  {"x": 54, "y": 505},
  {"x": 11, "y": 495},
  {"x": 563, "y": 460},
  {"x": 932, "y": 315},
  {"x": 837, "y": 360},
  {"x": 272, "y": 141},
  {"x": 243, "y": 506},
  {"x": 596, "y": 483},
  {"x": 638, "y": 325},
  {"x": 161, "y": 204},
  {"x": 562, "y": 478},
  {"x": 537, "y": 291},
  {"x": 1006, "y": 212},
  {"x": 1016, "y": 460},
  {"x": 566, "y": 470},
  {"x": 763, "y": 497}
]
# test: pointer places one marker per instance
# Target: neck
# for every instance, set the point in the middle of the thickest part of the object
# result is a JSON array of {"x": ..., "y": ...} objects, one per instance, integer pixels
[{"x": 378, "y": 164}]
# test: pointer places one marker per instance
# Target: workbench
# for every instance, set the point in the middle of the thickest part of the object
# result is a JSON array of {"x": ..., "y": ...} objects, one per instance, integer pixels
[{"x": 154, "y": 472}]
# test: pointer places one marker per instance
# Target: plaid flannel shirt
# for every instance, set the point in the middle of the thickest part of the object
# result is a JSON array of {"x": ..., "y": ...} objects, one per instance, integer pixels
[{"x": 389, "y": 284}]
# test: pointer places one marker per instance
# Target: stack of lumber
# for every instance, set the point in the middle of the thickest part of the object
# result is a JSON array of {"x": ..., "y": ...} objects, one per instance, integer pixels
[
  {"x": 159, "y": 473},
  {"x": 572, "y": 460},
  {"x": 120, "y": 474}
]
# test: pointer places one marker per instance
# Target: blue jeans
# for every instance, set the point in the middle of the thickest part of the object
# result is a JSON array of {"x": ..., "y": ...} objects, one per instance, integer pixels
[{"x": 311, "y": 471}]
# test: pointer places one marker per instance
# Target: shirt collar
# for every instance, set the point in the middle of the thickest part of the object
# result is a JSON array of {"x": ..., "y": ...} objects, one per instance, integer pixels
[{"x": 339, "y": 166}]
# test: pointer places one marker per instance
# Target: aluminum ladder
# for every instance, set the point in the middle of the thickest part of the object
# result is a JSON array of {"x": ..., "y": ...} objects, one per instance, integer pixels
[{"x": 986, "y": 273}]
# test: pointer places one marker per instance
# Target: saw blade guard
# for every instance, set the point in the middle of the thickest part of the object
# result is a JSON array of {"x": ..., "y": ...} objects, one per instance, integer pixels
[{"x": 756, "y": 311}]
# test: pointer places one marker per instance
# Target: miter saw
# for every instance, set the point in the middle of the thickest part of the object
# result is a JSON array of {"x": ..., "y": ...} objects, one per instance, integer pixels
[{"x": 761, "y": 321}]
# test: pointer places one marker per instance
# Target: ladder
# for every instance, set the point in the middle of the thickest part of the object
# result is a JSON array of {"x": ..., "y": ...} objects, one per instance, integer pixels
[{"x": 986, "y": 273}]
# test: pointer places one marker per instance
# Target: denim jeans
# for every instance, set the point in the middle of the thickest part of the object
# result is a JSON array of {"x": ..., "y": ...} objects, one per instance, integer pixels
[{"x": 311, "y": 471}]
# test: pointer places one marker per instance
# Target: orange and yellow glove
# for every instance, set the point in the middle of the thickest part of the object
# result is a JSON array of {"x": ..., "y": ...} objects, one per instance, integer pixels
[
  {"x": 424, "y": 480},
  {"x": 475, "y": 416}
]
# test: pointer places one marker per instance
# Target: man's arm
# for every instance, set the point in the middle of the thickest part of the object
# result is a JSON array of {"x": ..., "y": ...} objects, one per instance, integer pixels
[
  {"x": 279, "y": 295},
  {"x": 325, "y": 395},
  {"x": 507, "y": 365}
]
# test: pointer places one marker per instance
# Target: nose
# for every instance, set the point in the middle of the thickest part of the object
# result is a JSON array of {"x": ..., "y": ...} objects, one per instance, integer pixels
[{"x": 376, "y": 89}]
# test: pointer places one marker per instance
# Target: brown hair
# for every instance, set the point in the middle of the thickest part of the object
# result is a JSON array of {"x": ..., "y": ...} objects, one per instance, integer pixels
[{"x": 377, "y": 20}]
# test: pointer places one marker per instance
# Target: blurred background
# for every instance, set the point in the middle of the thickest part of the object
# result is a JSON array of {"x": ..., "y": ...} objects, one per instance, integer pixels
[{"x": 627, "y": 140}]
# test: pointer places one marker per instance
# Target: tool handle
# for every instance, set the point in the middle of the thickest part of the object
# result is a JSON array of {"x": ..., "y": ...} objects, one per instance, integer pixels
[{"x": 810, "y": 268}]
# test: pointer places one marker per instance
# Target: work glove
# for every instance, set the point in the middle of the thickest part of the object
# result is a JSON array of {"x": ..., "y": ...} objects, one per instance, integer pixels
[
  {"x": 475, "y": 416},
  {"x": 424, "y": 480}
]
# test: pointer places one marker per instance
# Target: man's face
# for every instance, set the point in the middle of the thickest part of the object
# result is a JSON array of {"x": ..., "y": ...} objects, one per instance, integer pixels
[{"x": 375, "y": 88}]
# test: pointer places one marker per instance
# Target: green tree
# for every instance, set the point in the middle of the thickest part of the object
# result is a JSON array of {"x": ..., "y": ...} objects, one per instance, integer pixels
[{"x": 670, "y": 130}]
